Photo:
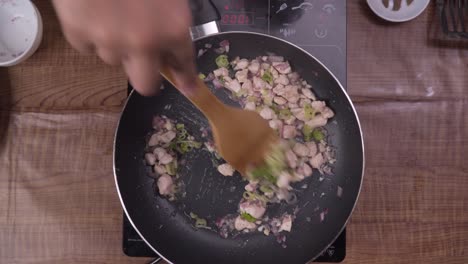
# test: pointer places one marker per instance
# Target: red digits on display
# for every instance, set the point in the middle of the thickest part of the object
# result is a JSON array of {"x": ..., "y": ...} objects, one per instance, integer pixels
[
  {"x": 235, "y": 19},
  {"x": 225, "y": 19}
]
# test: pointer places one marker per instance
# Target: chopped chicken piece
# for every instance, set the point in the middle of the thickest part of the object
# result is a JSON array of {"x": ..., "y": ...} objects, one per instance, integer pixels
[
  {"x": 289, "y": 131},
  {"x": 299, "y": 113},
  {"x": 317, "y": 121},
  {"x": 322, "y": 147},
  {"x": 226, "y": 169},
  {"x": 258, "y": 83},
  {"x": 268, "y": 98},
  {"x": 159, "y": 169},
  {"x": 150, "y": 159},
  {"x": 169, "y": 126},
  {"x": 279, "y": 89},
  {"x": 304, "y": 102},
  {"x": 276, "y": 124},
  {"x": 165, "y": 185},
  {"x": 282, "y": 79},
  {"x": 159, "y": 152},
  {"x": 290, "y": 120},
  {"x": 291, "y": 158},
  {"x": 241, "y": 64},
  {"x": 254, "y": 208},
  {"x": 265, "y": 66},
  {"x": 293, "y": 77},
  {"x": 327, "y": 113},
  {"x": 233, "y": 85},
  {"x": 274, "y": 73},
  {"x": 221, "y": 72},
  {"x": 317, "y": 161},
  {"x": 254, "y": 67},
  {"x": 250, "y": 106},
  {"x": 292, "y": 105},
  {"x": 252, "y": 186},
  {"x": 291, "y": 93},
  {"x": 283, "y": 180},
  {"x": 279, "y": 100},
  {"x": 241, "y": 76},
  {"x": 167, "y": 137},
  {"x": 282, "y": 67},
  {"x": 247, "y": 85},
  {"x": 286, "y": 224},
  {"x": 318, "y": 105},
  {"x": 154, "y": 140},
  {"x": 267, "y": 113},
  {"x": 312, "y": 148},
  {"x": 241, "y": 224},
  {"x": 304, "y": 170},
  {"x": 301, "y": 150},
  {"x": 165, "y": 159},
  {"x": 227, "y": 79},
  {"x": 308, "y": 93}
]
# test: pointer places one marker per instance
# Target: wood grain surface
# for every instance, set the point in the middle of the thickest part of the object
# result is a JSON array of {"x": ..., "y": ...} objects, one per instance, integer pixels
[{"x": 59, "y": 109}]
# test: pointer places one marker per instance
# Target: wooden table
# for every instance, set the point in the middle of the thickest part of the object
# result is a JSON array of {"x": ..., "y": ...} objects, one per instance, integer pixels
[{"x": 58, "y": 112}]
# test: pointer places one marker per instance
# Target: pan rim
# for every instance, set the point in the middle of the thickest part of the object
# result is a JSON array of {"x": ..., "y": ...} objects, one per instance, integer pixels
[{"x": 308, "y": 54}]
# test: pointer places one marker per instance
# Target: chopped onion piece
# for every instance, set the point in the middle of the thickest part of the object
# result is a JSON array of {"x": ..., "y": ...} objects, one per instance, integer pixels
[
  {"x": 201, "y": 52},
  {"x": 217, "y": 84}
]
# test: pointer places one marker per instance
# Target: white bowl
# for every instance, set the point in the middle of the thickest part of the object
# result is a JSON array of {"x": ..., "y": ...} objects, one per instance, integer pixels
[
  {"x": 20, "y": 31},
  {"x": 405, "y": 13}
]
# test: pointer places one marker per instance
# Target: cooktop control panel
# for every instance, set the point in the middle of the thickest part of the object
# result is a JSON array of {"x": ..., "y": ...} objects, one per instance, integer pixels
[{"x": 317, "y": 26}]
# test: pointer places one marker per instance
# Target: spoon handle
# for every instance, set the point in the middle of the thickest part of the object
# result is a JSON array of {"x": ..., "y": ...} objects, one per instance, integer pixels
[{"x": 202, "y": 98}]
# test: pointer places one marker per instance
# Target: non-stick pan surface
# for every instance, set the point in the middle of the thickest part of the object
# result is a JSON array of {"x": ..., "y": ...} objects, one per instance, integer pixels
[{"x": 165, "y": 226}]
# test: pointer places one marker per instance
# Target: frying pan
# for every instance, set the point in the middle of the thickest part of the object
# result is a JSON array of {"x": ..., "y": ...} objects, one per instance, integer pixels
[{"x": 166, "y": 227}]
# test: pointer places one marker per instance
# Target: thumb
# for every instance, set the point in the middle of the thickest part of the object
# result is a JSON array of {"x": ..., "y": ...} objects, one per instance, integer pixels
[{"x": 143, "y": 72}]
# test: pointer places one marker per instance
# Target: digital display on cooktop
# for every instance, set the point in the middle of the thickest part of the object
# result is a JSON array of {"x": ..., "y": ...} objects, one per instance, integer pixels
[
  {"x": 240, "y": 19},
  {"x": 318, "y": 26}
]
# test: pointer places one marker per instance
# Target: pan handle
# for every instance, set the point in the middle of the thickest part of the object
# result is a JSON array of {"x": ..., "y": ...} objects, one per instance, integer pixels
[{"x": 205, "y": 18}]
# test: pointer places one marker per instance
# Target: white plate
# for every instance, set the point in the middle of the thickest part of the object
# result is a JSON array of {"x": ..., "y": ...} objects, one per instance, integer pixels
[
  {"x": 405, "y": 13},
  {"x": 20, "y": 31}
]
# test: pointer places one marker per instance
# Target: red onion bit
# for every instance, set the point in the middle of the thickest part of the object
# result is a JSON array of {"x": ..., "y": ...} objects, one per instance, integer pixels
[
  {"x": 217, "y": 84},
  {"x": 158, "y": 122},
  {"x": 323, "y": 214},
  {"x": 282, "y": 66},
  {"x": 210, "y": 77},
  {"x": 273, "y": 58},
  {"x": 220, "y": 50},
  {"x": 224, "y": 44}
]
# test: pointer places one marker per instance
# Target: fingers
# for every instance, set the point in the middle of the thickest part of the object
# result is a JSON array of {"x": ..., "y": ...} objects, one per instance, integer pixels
[
  {"x": 143, "y": 72},
  {"x": 78, "y": 41},
  {"x": 181, "y": 61},
  {"x": 109, "y": 56},
  {"x": 141, "y": 37}
]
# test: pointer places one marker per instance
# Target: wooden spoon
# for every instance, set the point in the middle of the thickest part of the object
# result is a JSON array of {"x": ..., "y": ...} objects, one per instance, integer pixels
[{"x": 242, "y": 137}]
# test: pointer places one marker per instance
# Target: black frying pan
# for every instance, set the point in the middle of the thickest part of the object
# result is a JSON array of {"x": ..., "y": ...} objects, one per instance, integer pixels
[{"x": 165, "y": 226}]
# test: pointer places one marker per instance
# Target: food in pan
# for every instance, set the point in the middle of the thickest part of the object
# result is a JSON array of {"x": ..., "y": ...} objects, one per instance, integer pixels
[
  {"x": 165, "y": 145},
  {"x": 269, "y": 86}
]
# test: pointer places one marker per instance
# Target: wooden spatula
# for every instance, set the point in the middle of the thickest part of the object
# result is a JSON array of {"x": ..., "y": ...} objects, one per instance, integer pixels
[{"x": 242, "y": 137}]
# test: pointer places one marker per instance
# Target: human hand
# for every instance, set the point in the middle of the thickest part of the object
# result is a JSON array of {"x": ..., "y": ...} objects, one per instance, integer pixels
[{"x": 140, "y": 35}]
